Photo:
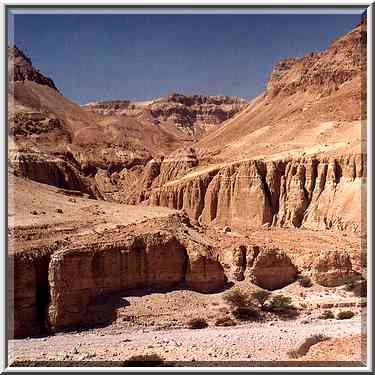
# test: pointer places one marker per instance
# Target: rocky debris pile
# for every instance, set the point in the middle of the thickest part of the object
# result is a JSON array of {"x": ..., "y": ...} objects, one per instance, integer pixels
[
  {"x": 29, "y": 123},
  {"x": 332, "y": 268},
  {"x": 20, "y": 68}
]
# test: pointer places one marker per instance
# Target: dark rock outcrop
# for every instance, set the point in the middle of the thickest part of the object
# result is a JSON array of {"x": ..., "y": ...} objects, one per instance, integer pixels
[{"x": 20, "y": 68}]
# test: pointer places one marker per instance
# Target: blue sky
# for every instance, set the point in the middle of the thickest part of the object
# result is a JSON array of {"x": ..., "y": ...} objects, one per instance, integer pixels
[{"x": 138, "y": 57}]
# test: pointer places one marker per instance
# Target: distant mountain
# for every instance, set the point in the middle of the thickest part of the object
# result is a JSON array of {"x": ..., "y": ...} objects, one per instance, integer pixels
[{"x": 192, "y": 114}]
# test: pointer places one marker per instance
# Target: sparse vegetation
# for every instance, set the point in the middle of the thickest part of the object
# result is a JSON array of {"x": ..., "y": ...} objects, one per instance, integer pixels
[
  {"x": 197, "y": 323},
  {"x": 345, "y": 315},
  {"x": 237, "y": 299},
  {"x": 305, "y": 282},
  {"x": 306, "y": 345},
  {"x": 59, "y": 210},
  {"x": 246, "y": 313},
  {"x": 261, "y": 296},
  {"x": 225, "y": 321},
  {"x": 349, "y": 283},
  {"x": 328, "y": 314},
  {"x": 280, "y": 305},
  {"x": 242, "y": 305}
]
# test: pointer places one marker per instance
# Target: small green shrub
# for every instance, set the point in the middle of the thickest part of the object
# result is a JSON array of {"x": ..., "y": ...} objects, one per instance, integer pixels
[
  {"x": 235, "y": 298},
  {"x": 305, "y": 282},
  {"x": 246, "y": 313},
  {"x": 226, "y": 321},
  {"x": 197, "y": 323},
  {"x": 261, "y": 296},
  {"x": 328, "y": 314},
  {"x": 345, "y": 315},
  {"x": 280, "y": 304},
  {"x": 304, "y": 347},
  {"x": 349, "y": 283}
]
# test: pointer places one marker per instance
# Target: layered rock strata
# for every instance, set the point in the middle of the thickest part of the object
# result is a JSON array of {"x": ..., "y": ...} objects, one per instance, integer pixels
[
  {"x": 315, "y": 192},
  {"x": 52, "y": 170},
  {"x": 191, "y": 114},
  {"x": 65, "y": 286}
]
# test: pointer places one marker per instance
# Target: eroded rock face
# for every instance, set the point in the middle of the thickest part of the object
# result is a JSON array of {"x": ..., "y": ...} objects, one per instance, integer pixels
[
  {"x": 20, "y": 69},
  {"x": 239, "y": 262},
  {"x": 28, "y": 292},
  {"x": 166, "y": 257},
  {"x": 272, "y": 269},
  {"x": 331, "y": 268},
  {"x": 78, "y": 275},
  {"x": 51, "y": 170},
  {"x": 238, "y": 196},
  {"x": 310, "y": 192},
  {"x": 204, "y": 272}
]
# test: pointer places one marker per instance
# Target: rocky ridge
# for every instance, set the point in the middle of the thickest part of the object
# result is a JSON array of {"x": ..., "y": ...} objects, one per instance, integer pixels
[
  {"x": 20, "y": 68},
  {"x": 192, "y": 114}
]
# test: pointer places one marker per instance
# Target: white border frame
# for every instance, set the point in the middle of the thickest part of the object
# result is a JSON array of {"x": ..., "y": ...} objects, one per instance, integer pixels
[{"x": 142, "y": 3}]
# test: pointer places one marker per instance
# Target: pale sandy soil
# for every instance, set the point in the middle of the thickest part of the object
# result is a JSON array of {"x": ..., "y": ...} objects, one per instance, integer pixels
[{"x": 268, "y": 341}]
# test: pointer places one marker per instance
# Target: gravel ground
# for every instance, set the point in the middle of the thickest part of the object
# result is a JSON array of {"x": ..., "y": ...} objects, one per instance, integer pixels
[{"x": 249, "y": 342}]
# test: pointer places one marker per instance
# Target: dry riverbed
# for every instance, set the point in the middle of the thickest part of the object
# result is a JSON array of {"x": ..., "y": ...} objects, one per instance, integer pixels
[{"x": 268, "y": 341}]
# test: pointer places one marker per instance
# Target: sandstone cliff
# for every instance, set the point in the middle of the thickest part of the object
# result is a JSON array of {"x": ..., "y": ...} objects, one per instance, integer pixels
[
  {"x": 62, "y": 285},
  {"x": 317, "y": 192}
]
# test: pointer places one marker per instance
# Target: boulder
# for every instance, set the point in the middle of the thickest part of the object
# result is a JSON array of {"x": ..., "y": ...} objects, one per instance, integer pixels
[
  {"x": 331, "y": 268},
  {"x": 272, "y": 269}
]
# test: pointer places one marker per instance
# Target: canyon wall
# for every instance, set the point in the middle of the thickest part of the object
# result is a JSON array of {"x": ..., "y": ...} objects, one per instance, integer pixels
[
  {"x": 68, "y": 284},
  {"x": 316, "y": 192},
  {"x": 28, "y": 291}
]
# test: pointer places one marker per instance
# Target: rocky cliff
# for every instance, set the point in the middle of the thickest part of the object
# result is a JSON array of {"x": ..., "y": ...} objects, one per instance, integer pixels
[
  {"x": 318, "y": 192},
  {"x": 20, "y": 68},
  {"x": 191, "y": 114},
  {"x": 63, "y": 284}
]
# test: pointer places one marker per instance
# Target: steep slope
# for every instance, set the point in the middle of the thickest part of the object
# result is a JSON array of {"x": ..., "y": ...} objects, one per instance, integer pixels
[
  {"x": 20, "y": 68},
  {"x": 311, "y": 104},
  {"x": 295, "y": 157}
]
